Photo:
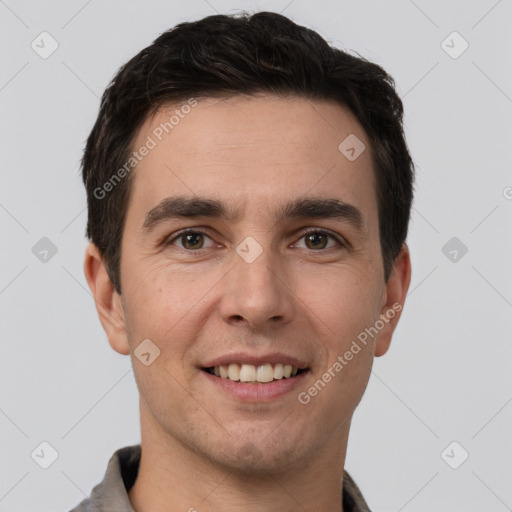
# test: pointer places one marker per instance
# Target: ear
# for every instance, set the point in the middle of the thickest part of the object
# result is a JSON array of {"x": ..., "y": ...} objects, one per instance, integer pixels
[
  {"x": 108, "y": 301},
  {"x": 393, "y": 299}
]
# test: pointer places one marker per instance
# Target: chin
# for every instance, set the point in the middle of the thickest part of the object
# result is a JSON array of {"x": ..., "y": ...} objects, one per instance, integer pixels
[{"x": 254, "y": 454}]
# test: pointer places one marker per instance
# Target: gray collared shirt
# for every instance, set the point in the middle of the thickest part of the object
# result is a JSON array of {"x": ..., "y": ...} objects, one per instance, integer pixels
[{"x": 111, "y": 495}]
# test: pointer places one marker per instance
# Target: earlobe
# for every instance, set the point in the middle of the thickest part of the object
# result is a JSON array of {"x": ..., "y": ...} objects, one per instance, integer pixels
[
  {"x": 394, "y": 299},
  {"x": 108, "y": 305}
]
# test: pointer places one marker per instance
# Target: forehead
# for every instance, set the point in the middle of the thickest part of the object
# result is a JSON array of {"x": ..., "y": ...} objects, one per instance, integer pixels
[{"x": 253, "y": 151}]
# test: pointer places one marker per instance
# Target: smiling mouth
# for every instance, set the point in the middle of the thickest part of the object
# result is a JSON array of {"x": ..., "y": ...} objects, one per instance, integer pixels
[{"x": 251, "y": 374}]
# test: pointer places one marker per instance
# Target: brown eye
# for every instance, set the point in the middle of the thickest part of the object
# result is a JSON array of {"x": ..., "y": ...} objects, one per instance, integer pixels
[
  {"x": 318, "y": 240},
  {"x": 190, "y": 240}
]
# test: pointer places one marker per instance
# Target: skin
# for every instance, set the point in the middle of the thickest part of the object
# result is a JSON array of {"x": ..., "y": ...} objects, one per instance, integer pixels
[{"x": 201, "y": 448}]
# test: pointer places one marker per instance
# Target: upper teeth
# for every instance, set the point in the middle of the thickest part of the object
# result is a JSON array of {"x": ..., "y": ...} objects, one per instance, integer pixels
[{"x": 250, "y": 373}]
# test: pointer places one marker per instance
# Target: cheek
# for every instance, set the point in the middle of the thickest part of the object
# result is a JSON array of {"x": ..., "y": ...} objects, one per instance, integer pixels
[
  {"x": 167, "y": 306},
  {"x": 160, "y": 312},
  {"x": 347, "y": 304},
  {"x": 341, "y": 302},
  {"x": 160, "y": 295}
]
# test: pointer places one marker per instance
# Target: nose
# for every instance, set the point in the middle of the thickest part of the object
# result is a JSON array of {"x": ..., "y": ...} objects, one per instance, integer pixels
[{"x": 258, "y": 293}]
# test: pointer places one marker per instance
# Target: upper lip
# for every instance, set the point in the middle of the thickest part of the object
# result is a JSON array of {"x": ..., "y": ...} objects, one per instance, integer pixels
[{"x": 256, "y": 360}]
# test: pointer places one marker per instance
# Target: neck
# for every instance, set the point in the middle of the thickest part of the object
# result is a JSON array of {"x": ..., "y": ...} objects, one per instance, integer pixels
[{"x": 174, "y": 477}]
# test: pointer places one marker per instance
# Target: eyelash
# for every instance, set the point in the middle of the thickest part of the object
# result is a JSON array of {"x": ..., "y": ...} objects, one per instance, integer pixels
[{"x": 189, "y": 231}]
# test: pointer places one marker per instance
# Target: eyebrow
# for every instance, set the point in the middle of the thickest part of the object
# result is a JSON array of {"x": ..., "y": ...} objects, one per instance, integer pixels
[{"x": 182, "y": 207}]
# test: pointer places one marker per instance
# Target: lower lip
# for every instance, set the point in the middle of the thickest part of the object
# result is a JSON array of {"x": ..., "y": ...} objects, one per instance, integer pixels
[{"x": 260, "y": 392}]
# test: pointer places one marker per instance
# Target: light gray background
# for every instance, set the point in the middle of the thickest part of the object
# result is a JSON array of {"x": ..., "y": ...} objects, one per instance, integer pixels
[{"x": 447, "y": 376}]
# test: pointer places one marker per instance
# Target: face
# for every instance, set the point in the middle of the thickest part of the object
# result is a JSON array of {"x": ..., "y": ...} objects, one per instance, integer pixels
[{"x": 251, "y": 243}]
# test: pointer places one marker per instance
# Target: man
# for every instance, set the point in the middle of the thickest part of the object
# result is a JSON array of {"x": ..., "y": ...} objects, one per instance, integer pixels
[{"x": 249, "y": 191}]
